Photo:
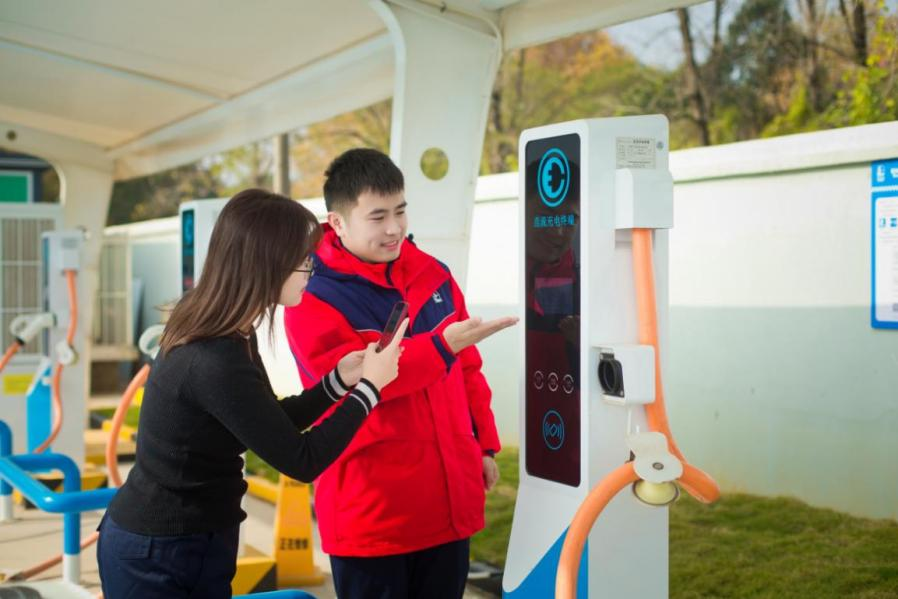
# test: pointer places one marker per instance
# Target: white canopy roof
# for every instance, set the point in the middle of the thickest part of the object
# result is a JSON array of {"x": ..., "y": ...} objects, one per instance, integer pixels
[{"x": 156, "y": 84}]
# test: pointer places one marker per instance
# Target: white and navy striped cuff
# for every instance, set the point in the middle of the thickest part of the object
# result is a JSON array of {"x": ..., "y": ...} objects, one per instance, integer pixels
[
  {"x": 367, "y": 395},
  {"x": 334, "y": 386}
]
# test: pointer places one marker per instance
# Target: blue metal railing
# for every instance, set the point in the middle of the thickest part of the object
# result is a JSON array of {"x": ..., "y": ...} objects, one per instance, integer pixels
[
  {"x": 15, "y": 469},
  {"x": 71, "y": 502}
]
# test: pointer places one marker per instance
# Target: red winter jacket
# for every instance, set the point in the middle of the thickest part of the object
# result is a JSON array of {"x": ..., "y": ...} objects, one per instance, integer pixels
[{"x": 413, "y": 476}]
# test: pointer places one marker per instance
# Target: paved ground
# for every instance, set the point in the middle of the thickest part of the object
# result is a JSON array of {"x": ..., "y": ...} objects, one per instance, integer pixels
[{"x": 35, "y": 536}]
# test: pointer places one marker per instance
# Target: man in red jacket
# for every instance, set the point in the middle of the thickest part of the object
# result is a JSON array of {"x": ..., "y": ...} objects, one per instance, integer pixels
[{"x": 397, "y": 509}]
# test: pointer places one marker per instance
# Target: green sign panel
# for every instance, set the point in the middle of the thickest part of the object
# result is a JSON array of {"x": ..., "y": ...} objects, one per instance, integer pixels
[{"x": 15, "y": 186}]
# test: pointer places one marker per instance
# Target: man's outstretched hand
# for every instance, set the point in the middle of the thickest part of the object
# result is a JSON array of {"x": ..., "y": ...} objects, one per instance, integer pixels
[{"x": 460, "y": 335}]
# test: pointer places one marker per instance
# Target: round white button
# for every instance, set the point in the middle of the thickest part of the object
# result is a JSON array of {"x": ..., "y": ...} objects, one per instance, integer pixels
[
  {"x": 567, "y": 383},
  {"x": 539, "y": 379}
]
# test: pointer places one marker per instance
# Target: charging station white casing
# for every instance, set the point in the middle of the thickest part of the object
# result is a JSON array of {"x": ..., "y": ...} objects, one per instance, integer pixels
[
  {"x": 624, "y": 183},
  {"x": 637, "y": 364},
  {"x": 60, "y": 251}
]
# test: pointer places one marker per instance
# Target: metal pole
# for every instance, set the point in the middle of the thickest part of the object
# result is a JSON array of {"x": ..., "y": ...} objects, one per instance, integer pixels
[
  {"x": 6, "y": 514},
  {"x": 282, "y": 164}
]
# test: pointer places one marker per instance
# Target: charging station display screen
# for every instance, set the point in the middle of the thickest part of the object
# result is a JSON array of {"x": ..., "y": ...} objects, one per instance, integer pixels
[
  {"x": 188, "y": 243},
  {"x": 552, "y": 249}
]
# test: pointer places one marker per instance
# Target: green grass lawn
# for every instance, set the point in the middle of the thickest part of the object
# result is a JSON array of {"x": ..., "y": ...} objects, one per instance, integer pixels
[
  {"x": 745, "y": 546},
  {"x": 255, "y": 465},
  {"x": 130, "y": 418}
]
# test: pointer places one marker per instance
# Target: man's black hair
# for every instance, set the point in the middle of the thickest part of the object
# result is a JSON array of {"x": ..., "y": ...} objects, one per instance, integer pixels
[{"x": 356, "y": 171}]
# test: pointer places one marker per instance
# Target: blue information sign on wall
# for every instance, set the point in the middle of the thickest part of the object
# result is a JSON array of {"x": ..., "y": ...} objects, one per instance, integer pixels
[{"x": 884, "y": 242}]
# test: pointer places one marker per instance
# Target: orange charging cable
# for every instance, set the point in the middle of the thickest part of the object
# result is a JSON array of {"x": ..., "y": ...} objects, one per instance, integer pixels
[
  {"x": 12, "y": 350},
  {"x": 57, "y": 369},
  {"x": 117, "y": 419},
  {"x": 696, "y": 482},
  {"x": 586, "y": 516}
]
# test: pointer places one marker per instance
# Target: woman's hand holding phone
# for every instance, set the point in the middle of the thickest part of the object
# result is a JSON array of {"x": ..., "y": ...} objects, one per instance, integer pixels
[{"x": 381, "y": 367}]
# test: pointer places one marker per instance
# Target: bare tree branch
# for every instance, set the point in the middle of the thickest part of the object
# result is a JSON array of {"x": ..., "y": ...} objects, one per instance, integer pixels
[
  {"x": 695, "y": 96},
  {"x": 856, "y": 24}
]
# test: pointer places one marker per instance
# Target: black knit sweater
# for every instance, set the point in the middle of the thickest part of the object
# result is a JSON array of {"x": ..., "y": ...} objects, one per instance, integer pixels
[{"x": 205, "y": 403}]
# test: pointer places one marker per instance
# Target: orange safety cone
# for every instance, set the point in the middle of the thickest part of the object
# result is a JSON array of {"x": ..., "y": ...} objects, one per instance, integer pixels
[{"x": 293, "y": 542}]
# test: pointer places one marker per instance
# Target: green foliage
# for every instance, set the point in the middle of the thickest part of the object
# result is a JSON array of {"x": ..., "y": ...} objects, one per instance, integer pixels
[
  {"x": 869, "y": 92},
  {"x": 756, "y": 71},
  {"x": 160, "y": 194},
  {"x": 314, "y": 147},
  {"x": 724, "y": 128},
  {"x": 256, "y": 465},
  {"x": 221, "y": 175},
  {"x": 132, "y": 416},
  {"x": 760, "y": 42},
  {"x": 584, "y": 75},
  {"x": 799, "y": 117},
  {"x": 243, "y": 167}
]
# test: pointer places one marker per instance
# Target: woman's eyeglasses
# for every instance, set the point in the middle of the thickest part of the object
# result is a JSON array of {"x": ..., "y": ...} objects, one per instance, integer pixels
[{"x": 307, "y": 268}]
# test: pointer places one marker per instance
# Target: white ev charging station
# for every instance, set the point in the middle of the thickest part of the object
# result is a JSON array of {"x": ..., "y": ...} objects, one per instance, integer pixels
[
  {"x": 587, "y": 186},
  {"x": 54, "y": 326},
  {"x": 197, "y": 221}
]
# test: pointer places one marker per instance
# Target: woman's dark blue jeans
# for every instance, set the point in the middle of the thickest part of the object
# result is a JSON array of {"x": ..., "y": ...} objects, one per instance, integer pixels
[{"x": 146, "y": 567}]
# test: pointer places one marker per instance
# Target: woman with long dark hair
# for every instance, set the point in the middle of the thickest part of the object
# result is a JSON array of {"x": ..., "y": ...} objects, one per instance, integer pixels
[{"x": 171, "y": 530}]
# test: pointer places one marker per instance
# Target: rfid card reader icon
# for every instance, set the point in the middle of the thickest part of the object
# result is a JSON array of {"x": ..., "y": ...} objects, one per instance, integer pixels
[{"x": 553, "y": 430}]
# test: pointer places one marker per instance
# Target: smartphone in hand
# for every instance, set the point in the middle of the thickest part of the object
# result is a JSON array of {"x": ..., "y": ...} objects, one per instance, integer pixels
[{"x": 400, "y": 311}]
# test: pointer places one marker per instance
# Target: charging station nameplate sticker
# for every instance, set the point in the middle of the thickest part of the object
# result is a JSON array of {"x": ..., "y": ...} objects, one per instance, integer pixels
[
  {"x": 884, "y": 308},
  {"x": 635, "y": 152},
  {"x": 552, "y": 324}
]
